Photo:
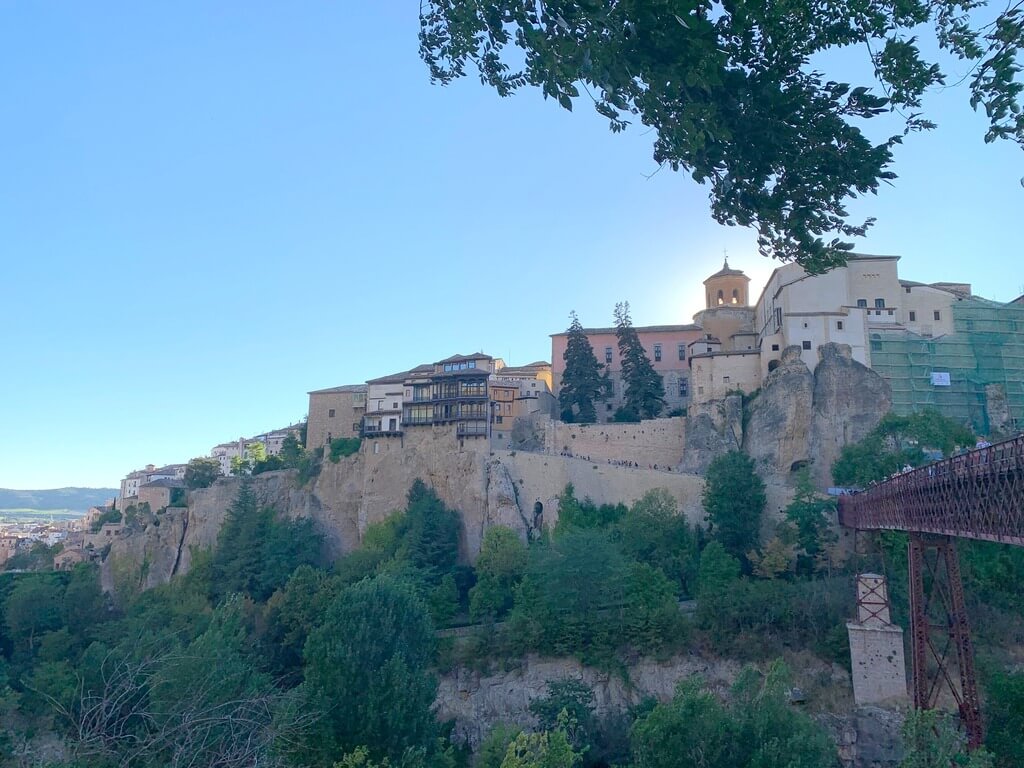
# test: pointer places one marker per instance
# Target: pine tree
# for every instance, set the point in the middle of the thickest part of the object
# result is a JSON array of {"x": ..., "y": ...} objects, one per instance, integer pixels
[
  {"x": 583, "y": 384},
  {"x": 645, "y": 389}
]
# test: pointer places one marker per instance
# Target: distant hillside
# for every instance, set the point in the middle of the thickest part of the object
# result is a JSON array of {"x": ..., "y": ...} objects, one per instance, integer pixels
[{"x": 74, "y": 499}]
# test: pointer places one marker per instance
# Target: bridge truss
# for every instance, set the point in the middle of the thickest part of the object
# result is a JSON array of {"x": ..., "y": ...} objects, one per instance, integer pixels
[{"x": 979, "y": 495}]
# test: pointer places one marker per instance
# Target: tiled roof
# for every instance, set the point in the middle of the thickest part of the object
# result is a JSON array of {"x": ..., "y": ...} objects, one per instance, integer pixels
[
  {"x": 343, "y": 388},
  {"x": 725, "y": 271},
  {"x": 640, "y": 329},
  {"x": 463, "y": 358},
  {"x": 163, "y": 483}
]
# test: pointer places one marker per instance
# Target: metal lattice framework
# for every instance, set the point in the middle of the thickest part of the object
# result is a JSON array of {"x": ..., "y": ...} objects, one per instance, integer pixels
[{"x": 979, "y": 495}]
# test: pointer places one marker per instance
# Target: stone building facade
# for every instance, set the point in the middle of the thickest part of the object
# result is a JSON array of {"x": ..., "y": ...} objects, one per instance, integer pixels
[{"x": 335, "y": 412}]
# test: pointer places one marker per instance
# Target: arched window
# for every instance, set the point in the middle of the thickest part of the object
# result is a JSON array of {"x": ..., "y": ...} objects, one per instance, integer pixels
[
  {"x": 735, "y": 296},
  {"x": 721, "y": 297}
]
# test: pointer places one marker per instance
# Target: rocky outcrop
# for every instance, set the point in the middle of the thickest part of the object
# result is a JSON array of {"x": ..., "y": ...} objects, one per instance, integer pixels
[
  {"x": 712, "y": 429},
  {"x": 867, "y": 737},
  {"x": 477, "y": 702},
  {"x": 801, "y": 418},
  {"x": 997, "y": 409},
  {"x": 778, "y": 429},
  {"x": 849, "y": 401}
]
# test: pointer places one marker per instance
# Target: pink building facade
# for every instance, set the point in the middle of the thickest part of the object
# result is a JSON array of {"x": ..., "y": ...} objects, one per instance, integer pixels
[{"x": 667, "y": 347}]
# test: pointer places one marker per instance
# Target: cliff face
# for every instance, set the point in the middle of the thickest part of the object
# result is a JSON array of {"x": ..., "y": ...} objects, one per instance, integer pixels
[
  {"x": 486, "y": 488},
  {"x": 848, "y": 402},
  {"x": 778, "y": 429},
  {"x": 867, "y": 737},
  {"x": 797, "y": 418}
]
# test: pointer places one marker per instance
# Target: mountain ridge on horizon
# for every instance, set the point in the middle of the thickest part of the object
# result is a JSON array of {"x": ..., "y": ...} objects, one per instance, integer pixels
[{"x": 74, "y": 498}]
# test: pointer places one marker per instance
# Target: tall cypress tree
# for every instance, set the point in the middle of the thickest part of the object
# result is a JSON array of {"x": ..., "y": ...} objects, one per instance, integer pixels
[
  {"x": 645, "y": 389},
  {"x": 583, "y": 384}
]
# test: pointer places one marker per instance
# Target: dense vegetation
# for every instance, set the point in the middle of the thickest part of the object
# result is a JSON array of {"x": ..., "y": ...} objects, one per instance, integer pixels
[{"x": 262, "y": 654}]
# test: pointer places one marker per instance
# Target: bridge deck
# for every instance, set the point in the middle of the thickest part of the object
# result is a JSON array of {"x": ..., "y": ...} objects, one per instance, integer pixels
[{"x": 979, "y": 495}]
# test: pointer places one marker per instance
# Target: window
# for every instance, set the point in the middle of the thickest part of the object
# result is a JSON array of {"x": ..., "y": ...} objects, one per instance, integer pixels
[
  {"x": 913, "y": 316},
  {"x": 938, "y": 315},
  {"x": 839, "y": 325},
  {"x": 879, "y": 303},
  {"x": 710, "y": 350},
  {"x": 394, "y": 405},
  {"x": 498, "y": 419},
  {"x": 907, "y": 289},
  {"x": 807, "y": 345},
  {"x": 607, "y": 354},
  {"x": 608, "y": 407},
  {"x": 778, "y": 317},
  {"x": 657, "y": 353},
  {"x": 721, "y": 297},
  {"x": 725, "y": 379},
  {"x": 700, "y": 390},
  {"x": 684, "y": 387},
  {"x": 472, "y": 363},
  {"x": 862, "y": 302},
  {"x": 682, "y": 351},
  {"x": 775, "y": 347},
  {"x": 890, "y": 312},
  {"x": 735, "y": 296},
  {"x": 805, "y": 325}
]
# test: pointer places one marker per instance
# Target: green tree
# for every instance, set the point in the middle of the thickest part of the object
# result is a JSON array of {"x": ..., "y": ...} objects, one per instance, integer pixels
[
  {"x": 368, "y": 666},
  {"x": 644, "y": 396},
  {"x": 1005, "y": 711},
  {"x": 716, "y": 580},
  {"x": 567, "y": 584},
  {"x": 583, "y": 385},
  {"x": 757, "y": 728},
  {"x": 654, "y": 531},
  {"x": 33, "y": 608},
  {"x": 733, "y": 96},
  {"x": 734, "y": 501},
  {"x": 84, "y": 605},
  {"x": 291, "y": 451},
  {"x": 930, "y": 740},
  {"x": 256, "y": 552},
  {"x": 291, "y": 613},
  {"x": 494, "y": 748},
  {"x": 499, "y": 569},
  {"x": 895, "y": 442},
  {"x": 541, "y": 750},
  {"x": 568, "y": 706},
  {"x": 573, "y": 513},
  {"x": 431, "y": 536},
  {"x": 811, "y": 518},
  {"x": 201, "y": 472}
]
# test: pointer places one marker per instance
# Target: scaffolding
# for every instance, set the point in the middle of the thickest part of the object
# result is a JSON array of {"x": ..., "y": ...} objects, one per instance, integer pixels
[{"x": 986, "y": 348}]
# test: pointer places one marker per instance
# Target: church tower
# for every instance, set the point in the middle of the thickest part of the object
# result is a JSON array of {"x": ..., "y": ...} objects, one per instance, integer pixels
[{"x": 727, "y": 287}]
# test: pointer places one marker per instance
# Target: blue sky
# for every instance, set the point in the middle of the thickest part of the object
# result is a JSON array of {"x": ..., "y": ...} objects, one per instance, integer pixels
[{"x": 209, "y": 209}]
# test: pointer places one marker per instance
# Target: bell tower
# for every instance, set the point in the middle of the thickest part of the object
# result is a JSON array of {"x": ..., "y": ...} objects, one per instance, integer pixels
[{"x": 727, "y": 288}]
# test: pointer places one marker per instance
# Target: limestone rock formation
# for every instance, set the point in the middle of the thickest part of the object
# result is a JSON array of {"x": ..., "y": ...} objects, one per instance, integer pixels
[
  {"x": 778, "y": 430},
  {"x": 478, "y": 702},
  {"x": 867, "y": 738},
  {"x": 849, "y": 401},
  {"x": 712, "y": 429}
]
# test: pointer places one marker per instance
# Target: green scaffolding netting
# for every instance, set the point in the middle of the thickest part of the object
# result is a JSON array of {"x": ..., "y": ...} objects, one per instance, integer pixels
[{"x": 986, "y": 348}]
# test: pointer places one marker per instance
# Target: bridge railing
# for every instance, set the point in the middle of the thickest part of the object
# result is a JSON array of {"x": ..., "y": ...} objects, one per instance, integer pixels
[{"x": 977, "y": 495}]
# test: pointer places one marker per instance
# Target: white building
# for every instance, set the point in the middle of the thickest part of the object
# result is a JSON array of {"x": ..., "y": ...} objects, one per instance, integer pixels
[{"x": 846, "y": 305}]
